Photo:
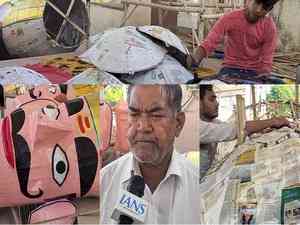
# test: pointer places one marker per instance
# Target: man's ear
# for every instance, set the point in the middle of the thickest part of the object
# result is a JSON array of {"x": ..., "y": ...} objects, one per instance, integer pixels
[{"x": 180, "y": 120}]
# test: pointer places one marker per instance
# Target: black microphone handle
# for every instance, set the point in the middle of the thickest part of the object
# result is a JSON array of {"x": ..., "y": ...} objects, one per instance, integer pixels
[{"x": 123, "y": 219}]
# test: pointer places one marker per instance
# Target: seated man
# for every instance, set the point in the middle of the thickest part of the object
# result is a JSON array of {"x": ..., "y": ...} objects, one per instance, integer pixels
[
  {"x": 250, "y": 37},
  {"x": 171, "y": 182},
  {"x": 213, "y": 131}
]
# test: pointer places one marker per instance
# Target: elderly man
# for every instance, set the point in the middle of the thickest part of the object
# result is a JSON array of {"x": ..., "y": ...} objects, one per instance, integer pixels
[
  {"x": 213, "y": 131},
  {"x": 171, "y": 182},
  {"x": 250, "y": 37}
]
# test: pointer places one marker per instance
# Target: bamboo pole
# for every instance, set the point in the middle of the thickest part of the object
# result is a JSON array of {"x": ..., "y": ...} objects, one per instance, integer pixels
[
  {"x": 66, "y": 18},
  {"x": 253, "y": 102},
  {"x": 240, "y": 119},
  {"x": 65, "y": 22},
  {"x": 191, "y": 4},
  {"x": 165, "y": 7}
]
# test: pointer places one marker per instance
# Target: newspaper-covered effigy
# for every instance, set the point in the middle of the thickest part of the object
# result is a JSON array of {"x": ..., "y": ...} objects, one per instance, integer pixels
[
  {"x": 21, "y": 75},
  {"x": 256, "y": 183},
  {"x": 169, "y": 71},
  {"x": 124, "y": 51},
  {"x": 143, "y": 55},
  {"x": 94, "y": 76}
]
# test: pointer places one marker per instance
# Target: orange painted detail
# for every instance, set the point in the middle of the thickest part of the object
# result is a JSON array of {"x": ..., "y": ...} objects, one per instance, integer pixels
[
  {"x": 81, "y": 127},
  {"x": 87, "y": 122}
]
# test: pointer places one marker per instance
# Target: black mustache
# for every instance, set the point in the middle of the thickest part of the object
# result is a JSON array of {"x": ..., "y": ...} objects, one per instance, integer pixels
[
  {"x": 23, "y": 159},
  {"x": 87, "y": 162},
  {"x": 22, "y": 153}
]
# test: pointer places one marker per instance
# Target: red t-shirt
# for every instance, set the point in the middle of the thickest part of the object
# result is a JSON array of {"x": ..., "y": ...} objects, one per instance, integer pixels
[{"x": 247, "y": 46}]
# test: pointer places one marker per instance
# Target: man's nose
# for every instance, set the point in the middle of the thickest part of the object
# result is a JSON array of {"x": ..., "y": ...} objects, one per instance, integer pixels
[{"x": 144, "y": 124}]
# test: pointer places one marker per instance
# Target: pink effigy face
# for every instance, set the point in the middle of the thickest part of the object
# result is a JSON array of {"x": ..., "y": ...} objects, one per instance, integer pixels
[
  {"x": 35, "y": 98},
  {"x": 48, "y": 153}
]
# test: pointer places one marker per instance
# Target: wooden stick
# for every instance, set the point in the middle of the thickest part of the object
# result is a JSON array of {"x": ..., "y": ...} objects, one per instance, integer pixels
[
  {"x": 240, "y": 119},
  {"x": 160, "y": 6},
  {"x": 253, "y": 102},
  {"x": 191, "y": 4},
  {"x": 66, "y": 18}
]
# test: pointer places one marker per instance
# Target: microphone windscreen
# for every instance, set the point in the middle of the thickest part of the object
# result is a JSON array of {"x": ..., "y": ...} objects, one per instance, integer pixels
[{"x": 136, "y": 186}]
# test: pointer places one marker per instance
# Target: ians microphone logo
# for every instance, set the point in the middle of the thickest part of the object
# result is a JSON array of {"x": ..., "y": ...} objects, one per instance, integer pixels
[{"x": 133, "y": 204}]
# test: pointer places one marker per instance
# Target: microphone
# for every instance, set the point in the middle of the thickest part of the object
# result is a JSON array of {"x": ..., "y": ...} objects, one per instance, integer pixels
[{"x": 131, "y": 207}]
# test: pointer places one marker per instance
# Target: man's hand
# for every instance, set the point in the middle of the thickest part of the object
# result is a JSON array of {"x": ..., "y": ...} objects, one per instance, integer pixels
[
  {"x": 260, "y": 125},
  {"x": 195, "y": 59},
  {"x": 191, "y": 63}
]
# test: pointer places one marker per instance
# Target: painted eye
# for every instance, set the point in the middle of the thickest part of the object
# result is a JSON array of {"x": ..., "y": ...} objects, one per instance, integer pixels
[
  {"x": 52, "y": 89},
  {"x": 60, "y": 165},
  {"x": 51, "y": 112}
]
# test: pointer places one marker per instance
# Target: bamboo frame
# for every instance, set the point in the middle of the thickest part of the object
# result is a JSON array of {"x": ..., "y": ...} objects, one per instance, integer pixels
[
  {"x": 67, "y": 18},
  {"x": 188, "y": 9},
  {"x": 65, "y": 22},
  {"x": 191, "y": 4}
]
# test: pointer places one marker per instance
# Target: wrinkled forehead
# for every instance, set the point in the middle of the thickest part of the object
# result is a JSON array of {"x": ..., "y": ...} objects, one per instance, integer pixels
[{"x": 148, "y": 97}]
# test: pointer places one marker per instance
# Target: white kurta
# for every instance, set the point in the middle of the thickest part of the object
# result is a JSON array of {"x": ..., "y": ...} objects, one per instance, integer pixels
[{"x": 175, "y": 201}]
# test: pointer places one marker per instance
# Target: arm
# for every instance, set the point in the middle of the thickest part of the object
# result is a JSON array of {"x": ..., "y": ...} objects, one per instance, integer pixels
[
  {"x": 219, "y": 132},
  {"x": 210, "y": 43},
  {"x": 216, "y": 132},
  {"x": 268, "y": 49},
  {"x": 260, "y": 125}
]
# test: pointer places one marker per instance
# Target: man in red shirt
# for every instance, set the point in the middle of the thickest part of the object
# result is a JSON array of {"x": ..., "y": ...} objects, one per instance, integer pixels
[{"x": 250, "y": 37}]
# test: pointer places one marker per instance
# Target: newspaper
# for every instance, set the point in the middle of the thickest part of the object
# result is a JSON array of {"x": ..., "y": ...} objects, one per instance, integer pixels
[
  {"x": 229, "y": 210},
  {"x": 94, "y": 76},
  {"x": 245, "y": 186},
  {"x": 290, "y": 205},
  {"x": 212, "y": 201},
  {"x": 169, "y": 71},
  {"x": 124, "y": 51},
  {"x": 22, "y": 76}
]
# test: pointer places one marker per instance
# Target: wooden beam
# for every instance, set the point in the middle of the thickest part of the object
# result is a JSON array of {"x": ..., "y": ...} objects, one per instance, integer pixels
[
  {"x": 191, "y": 4},
  {"x": 240, "y": 119},
  {"x": 165, "y": 7},
  {"x": 253, "y": 102}
]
